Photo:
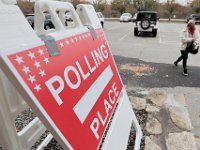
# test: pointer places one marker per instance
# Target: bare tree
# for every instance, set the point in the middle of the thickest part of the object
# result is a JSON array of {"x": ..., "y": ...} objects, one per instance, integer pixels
[
  {"x": 195, "y": 6},
  {"x": 76, "y": 2},
  {"x": 139, "y": 4},
  {"x": 121, "y": 5},
  {"x": 151, "y": 5},
  {"x": 27, "y": 7},
  {"x": 99, "y": 5},
  {"x": 170, "y": 6}
]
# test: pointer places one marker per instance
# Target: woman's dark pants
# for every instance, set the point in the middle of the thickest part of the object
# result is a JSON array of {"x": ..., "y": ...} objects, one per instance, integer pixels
[{"x": 184, "y": 57}]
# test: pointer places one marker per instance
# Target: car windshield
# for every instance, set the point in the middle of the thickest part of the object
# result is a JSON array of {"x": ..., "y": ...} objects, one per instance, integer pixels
[
  {"x": 196, "y": 15},
  {"x": 126, "y": 14},
  {"x": 151, "y": 16},
  {"x": 68, "y": 13},
  {"x": 30, "y": 17},
  {"x": 48, "y": 16}
]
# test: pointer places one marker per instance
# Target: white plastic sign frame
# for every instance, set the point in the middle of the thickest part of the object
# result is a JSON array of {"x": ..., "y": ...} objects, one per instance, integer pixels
[{"x": 75, "y": 93}]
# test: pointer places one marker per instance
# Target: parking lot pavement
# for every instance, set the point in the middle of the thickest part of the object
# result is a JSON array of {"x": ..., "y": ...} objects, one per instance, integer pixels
[
  {"x": 162, "y": 49},
  {"x": 138, "y": 73}
]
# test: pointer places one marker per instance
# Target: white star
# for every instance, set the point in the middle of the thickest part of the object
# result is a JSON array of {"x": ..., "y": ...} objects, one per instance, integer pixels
[
  {"x": 37, "y": 64},
  {"x": 72, "y": 40},
  {"x": 31, "y": 55},
  {"x": 41, "y": 52},
  {"x": 26, "y": 69},
  {"x": 88, "y": 34},
  {"x": 37, "y": 87},
  {"x": 31, "y": 78},
  {"x": 80, "y": 37},
  {"x": 61, "y": 44},
  {"x": 42, "y": 73},
  {"x": 46, "y": 60},
  {"x": 76, "y": 39},
  {"x": 19, "y": 59},
  {"x": 83, "y": 37},
  {"x": 67, "y": 42}
]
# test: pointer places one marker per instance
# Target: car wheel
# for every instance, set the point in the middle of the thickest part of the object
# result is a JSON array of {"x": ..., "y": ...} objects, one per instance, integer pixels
[
  {"x": 102, "y": 24},
  {"x": 136, "y": 32},
  {"x": 47, "y": 27},
  {"x": 145, "y": 23},
  {"x": 154, "y": 32}
]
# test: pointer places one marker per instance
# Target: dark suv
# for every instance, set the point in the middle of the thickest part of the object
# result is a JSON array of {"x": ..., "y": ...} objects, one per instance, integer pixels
[
  {"x": 47, "y": 23},
  {"x": 145, "y": 21},
  {"x": 195, "y": 17}
]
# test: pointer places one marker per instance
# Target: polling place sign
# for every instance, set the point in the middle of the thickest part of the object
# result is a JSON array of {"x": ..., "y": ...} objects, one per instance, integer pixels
[{"x": 78, "y": 89}]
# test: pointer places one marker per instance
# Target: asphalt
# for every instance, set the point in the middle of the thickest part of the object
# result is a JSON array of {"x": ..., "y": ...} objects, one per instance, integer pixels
[{"x": 162, "y": 75}]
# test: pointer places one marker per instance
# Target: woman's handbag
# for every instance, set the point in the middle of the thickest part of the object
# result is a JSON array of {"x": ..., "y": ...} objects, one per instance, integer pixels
[{"x": 192, "y": 48}]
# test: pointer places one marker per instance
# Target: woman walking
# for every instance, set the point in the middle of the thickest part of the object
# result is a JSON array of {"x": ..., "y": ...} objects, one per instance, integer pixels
[{"x": 189, "y": 36}]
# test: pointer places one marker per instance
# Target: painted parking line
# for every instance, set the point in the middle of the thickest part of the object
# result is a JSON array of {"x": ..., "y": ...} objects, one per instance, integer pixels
[
  {"x": 159, "y": 37},
  {"x": 112, "y": 28},
  {"x": 170, "y": 42},
  {"x": 129, "y": 32}
]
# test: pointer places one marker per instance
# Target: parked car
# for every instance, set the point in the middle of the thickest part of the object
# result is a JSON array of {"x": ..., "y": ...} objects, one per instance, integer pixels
[
  {"x": 101, "y": 18},
  {"x": 125, "y": 17},
  {"x": 47, "y": 23},
  {"x": 145, "y": 21},
  {"x": 68, "y": 17},
  {"x": 195, "y": 17}
]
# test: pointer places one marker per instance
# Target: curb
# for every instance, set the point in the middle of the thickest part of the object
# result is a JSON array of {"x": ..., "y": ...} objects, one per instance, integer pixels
[{"x": 160, "y": 20}]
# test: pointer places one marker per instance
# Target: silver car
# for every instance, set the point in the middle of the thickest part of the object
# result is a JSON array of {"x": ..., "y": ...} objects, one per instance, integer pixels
[{"x": 125, "y": 17}]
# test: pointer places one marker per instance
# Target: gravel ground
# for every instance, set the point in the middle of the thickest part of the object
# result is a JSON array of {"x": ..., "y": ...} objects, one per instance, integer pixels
[
  {"x": 142, "y": 118},
  {"x": 24, "y": 119},
  {"x": 53, "y": 145},
  {"x": 44, "y": 135}
]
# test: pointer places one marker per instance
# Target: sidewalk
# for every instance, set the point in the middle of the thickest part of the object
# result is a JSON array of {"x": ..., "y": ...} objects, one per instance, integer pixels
[{"x": 173, "y": 117}]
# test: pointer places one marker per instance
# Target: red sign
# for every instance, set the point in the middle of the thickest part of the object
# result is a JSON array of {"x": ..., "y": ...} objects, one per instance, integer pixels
[{"x": 78, "y": 89}]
